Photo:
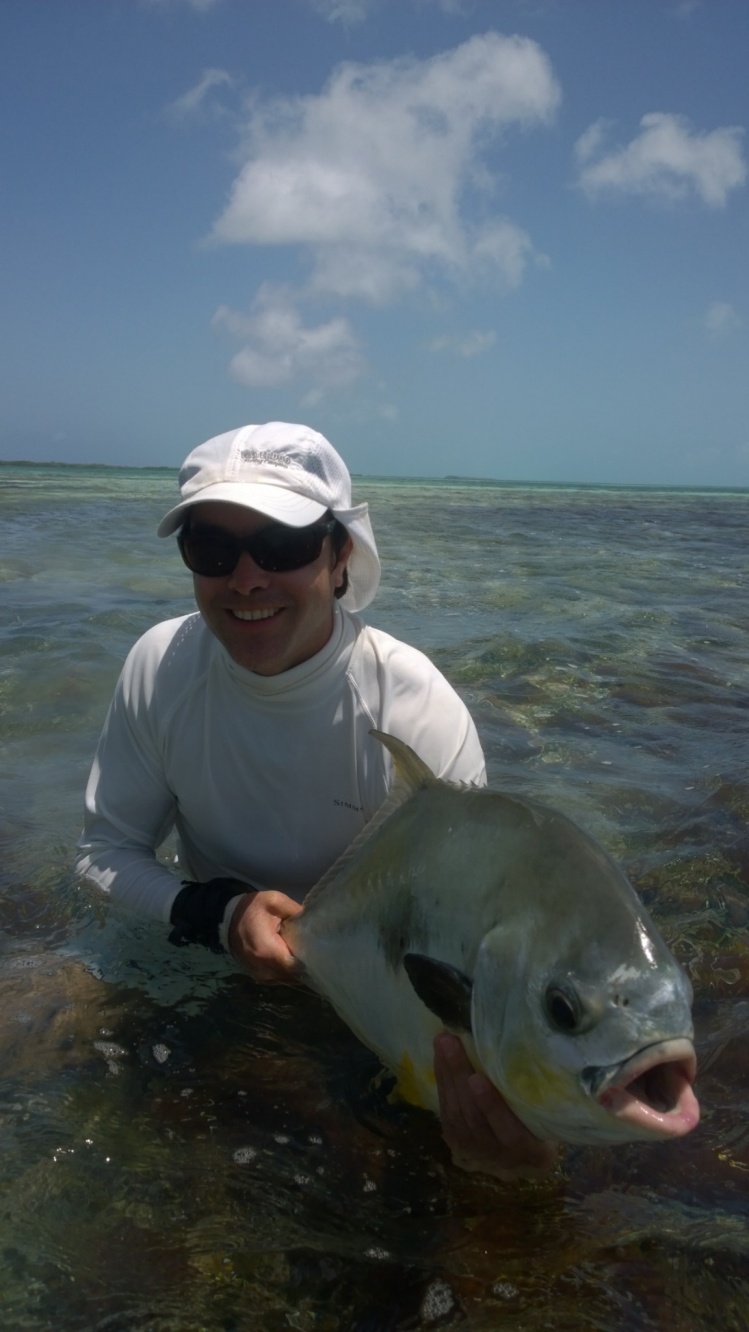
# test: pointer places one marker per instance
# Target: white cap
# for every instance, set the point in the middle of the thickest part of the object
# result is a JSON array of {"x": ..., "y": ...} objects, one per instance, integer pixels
[{"x": 293, "y": 475}]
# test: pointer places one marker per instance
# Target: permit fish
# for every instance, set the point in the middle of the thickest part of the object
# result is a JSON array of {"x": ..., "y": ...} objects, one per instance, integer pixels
[{"x": 503, "y": 921}]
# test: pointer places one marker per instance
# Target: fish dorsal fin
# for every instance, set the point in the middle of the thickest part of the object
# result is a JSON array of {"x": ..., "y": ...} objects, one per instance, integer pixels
[{"x": 411, "y": 773}]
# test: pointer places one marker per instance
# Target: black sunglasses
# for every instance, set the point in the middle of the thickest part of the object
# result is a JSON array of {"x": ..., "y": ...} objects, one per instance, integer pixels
[{"x": 213, "y": 553}]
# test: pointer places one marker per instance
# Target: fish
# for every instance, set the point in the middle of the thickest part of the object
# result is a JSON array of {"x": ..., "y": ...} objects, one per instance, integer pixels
[{"x": 490, "y": 915}]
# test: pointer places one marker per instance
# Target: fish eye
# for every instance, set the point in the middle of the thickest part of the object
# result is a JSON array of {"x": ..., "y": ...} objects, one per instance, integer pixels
[{"x": 562, "y": 1008}]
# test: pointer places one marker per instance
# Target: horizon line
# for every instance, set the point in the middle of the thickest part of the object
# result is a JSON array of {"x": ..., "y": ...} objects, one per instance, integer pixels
[{"x": 384, "y": 476}]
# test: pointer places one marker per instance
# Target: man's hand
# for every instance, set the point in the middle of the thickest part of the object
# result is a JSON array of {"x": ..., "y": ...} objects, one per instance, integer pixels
[
  {"x": 254, "y": 941},
  {"x": 478, "y": 1125}
]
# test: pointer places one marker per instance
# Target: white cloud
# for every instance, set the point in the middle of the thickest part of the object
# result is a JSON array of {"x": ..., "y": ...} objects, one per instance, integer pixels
[
  {"x": 200, "y": 6},
  {"x": 372, "y": 176},
  {"x": 591, "y": 140},
  {"x": 668, "y": 159},
  {"x": 194, "y": 101},
  {"x": 347, "y": 12},
  {"x": 279, "y": 349},
  {"x": 504, "y": 246},
  {"x": 351, "y": 12},
  {"x": 721, "y": 320},
  {"x": 388, "y": 411},
  {"x": 471, "y": 344}
]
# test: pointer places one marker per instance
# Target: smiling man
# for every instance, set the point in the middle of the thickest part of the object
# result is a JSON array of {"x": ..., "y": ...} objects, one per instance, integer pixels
[
  {"x": 268, "y": 619},
  {"x": 246, "y": 726}
]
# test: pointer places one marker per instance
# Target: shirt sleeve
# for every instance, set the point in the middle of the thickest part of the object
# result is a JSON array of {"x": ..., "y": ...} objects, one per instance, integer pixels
[
  {"x": 442, "y": 730},
  {"x": 129, "y": 807},
  {"x": 404, "y": 694}
]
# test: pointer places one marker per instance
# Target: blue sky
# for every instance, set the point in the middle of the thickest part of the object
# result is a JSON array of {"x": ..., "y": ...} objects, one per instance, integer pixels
[{"x": 501, "y": 238}]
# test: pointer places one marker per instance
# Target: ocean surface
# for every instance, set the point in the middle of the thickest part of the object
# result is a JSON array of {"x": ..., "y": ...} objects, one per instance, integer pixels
[{"x": 182, "y": 1150}]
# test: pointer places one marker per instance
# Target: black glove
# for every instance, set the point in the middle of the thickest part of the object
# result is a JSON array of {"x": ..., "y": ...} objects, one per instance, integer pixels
[{"x": 198, "y": 911}]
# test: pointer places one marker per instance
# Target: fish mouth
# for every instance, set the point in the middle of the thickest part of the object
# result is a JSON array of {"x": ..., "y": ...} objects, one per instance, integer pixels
[{"x": 652, "y": 1090}]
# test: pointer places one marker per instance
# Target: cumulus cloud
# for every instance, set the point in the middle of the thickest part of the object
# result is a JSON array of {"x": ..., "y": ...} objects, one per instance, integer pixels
[
  {"x": 721, "y": 320},
  {"x": 471, "y": 344},
  {"x": 668, "y": 159},
  {"x": 279, "y": 349},
  {"x": 194, "y": 101},
  {"x": 382, "y": 177}
]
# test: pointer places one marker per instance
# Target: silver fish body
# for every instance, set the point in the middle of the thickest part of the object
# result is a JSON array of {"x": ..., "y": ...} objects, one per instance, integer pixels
[{"x": 467, "y": 908}]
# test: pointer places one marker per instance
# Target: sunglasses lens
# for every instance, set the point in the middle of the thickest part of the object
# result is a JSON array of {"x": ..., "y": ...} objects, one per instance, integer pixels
[
  {"x": 281, "y": 549},
  {"x": 212, "y": 553}
]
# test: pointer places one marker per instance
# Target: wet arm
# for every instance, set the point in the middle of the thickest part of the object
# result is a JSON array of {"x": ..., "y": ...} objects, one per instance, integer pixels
[
  {"x": 129, "y": 810},
  {"x": 254, "y": 939}
]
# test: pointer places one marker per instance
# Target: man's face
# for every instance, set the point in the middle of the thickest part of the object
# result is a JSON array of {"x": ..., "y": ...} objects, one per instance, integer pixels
[{"x": 268, "y": 622}]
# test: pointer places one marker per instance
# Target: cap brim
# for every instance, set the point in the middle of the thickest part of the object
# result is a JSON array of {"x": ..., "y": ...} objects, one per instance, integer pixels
[{"x": 284, "y": 506}]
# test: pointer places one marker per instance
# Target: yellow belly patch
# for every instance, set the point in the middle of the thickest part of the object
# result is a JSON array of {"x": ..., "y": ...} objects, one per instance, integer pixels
[
  {"x": 413, "y": 1083},
  {"x": 536, "y": 1084}
]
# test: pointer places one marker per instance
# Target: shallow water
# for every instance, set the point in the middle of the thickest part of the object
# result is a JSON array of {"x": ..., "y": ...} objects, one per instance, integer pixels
[{"x": 184, "y": 1150}]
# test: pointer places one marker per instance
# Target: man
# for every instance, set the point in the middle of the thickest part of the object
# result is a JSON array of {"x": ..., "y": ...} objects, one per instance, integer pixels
[{"x": 246, "y": 726}]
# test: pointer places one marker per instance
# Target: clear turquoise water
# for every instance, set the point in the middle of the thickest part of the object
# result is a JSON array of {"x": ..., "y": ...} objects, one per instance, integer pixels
[{"x": 183, "y": 1150}]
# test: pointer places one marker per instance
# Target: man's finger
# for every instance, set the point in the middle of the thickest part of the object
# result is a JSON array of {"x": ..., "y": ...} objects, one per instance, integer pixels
[{"x": 478, "y": 1125}]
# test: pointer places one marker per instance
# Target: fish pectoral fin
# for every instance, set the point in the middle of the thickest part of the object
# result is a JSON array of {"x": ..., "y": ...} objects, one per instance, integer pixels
[{"x": 444, "y": 989}]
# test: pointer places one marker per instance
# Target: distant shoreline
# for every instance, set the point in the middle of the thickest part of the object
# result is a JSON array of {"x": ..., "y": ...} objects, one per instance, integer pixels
[
  {"x": 86, "y": 467},
  {"x": 375, "y": 479}
]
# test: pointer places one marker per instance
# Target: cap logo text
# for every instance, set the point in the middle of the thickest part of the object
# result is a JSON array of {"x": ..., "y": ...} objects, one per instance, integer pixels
[{"x": 267, "y": 456}]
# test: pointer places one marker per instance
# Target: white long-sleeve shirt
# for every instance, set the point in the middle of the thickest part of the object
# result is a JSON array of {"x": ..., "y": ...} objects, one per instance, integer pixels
[{"x": 266, "y": 779}]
